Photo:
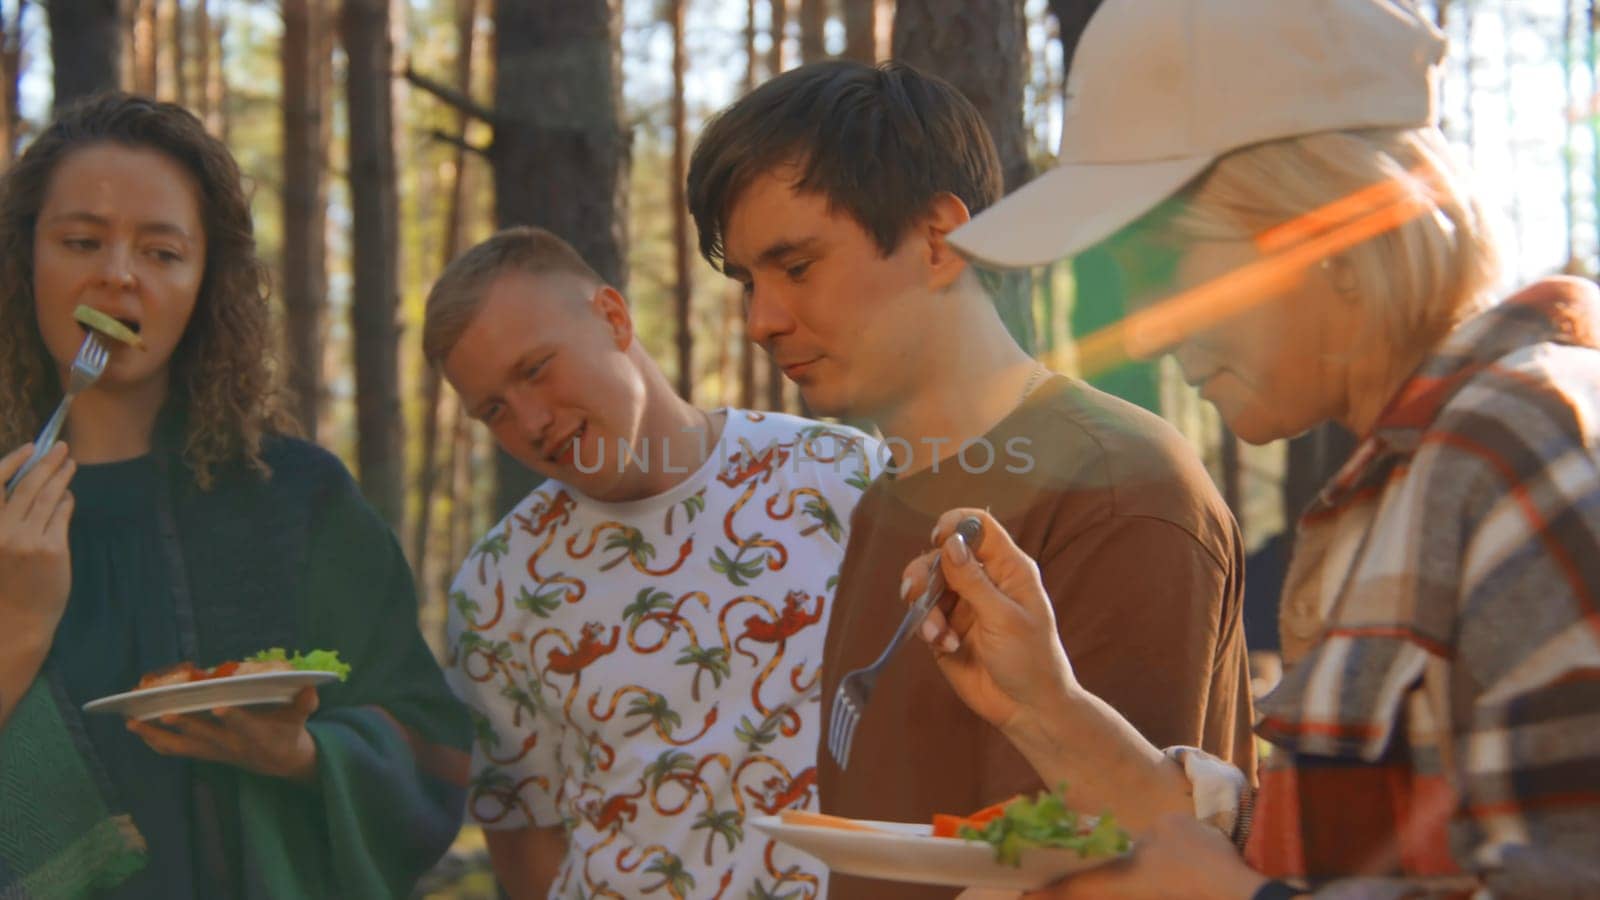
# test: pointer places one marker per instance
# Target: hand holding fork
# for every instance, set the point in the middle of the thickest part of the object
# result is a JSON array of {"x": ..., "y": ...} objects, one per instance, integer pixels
[
  {"x": 35, "y": 559},
  {"x": 855, "y": 689},
  {"x": 87, "y": 367}
]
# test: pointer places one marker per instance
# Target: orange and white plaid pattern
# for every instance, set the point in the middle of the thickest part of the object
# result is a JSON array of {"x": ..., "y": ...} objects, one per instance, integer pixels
[{"x": 1438, "y": 731}]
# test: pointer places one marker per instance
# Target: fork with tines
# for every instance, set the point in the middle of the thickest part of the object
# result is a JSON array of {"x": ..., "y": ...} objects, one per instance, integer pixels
[
  {"x": 850, "y": 700},
  {"x": 86, "y": 369}
]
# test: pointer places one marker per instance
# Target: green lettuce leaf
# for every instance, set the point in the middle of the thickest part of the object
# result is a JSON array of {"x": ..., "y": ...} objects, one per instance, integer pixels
[
  {"x": 315, "y": 661},
  {"x": 1045, "y": 821}
]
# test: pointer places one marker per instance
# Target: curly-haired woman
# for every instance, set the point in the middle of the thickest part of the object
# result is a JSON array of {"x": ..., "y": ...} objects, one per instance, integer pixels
[{"x": 179, "y": 520}]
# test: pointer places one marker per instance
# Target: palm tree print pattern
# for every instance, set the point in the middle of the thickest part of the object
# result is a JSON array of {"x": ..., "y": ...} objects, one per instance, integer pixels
[{"x": 646, "y": 674}]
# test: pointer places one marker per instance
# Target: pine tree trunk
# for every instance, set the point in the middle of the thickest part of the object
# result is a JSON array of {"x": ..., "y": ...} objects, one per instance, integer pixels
[
  {"x": 216, "y": 83},
  {"x": 375, "y": 295},
  {"x": 432, "y": 389},
  {"x": 145, "y": 53},
  {"x": 202, "y": 62},
  {"x": 305, "y": 276},
  {"x": 178, "y": 52},
  {"x": 779, "y": 27},
  {"x": 85, "y": 48},
  {"x": 861, "y": 30},
  {"x": 776, "y": 62},
  {"x": 10, "y": 79},
  {"x": 559, "y": 155},
  {"x": 978, "y": 46},
  {"x": 728, "y": 327},
  {"x": 682, "y": 288},
  {"x": 748, "y": 351},
  {"x": 813, "y": 30}
]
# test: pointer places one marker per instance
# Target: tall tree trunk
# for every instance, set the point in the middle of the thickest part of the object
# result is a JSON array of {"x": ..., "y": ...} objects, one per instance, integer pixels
[
  {"x": 728, "y": 326},
  {"x": 305, "y": 276},
  {"x": 375, "y": 214},
  {"x": 560, "y": 157},
  {"x": 779, "y": 27},
  {"x": 10, "y": 78},
  {"x": 216, "y": 81},
  {"x": 145, "y": 50},
  {"x": 202, "y": 62},
  {"x": 776, "y": 62},
  {"x": 169, "y": 55},
  {"x": 682, "y": 287},
  {"x": 748, "y": 351},
  {"x": 464, "y": 498},
  {"x": 813, "y": 30},
  {"x": 861, "y": 30},
  {"x": 85, "y": 48},
  {"x": 432, "y": 390},
  {"x": 979, "y": 47},
  {"x": 178, "y": 52}
]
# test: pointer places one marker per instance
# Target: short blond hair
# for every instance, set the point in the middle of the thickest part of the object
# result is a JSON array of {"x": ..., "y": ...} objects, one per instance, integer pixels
[
  {"x": 456, "y": 296},
  {"x": 1417, "y": 280}
]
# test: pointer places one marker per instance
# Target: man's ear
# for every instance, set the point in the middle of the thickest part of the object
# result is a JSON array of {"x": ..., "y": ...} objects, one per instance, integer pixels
[
  {"x": 945, "y": 214},
  {"x": 613, "y": 309}
]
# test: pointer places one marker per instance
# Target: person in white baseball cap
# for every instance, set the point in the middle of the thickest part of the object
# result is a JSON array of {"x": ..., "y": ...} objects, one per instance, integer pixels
[{"x": 1271, "y": 176}]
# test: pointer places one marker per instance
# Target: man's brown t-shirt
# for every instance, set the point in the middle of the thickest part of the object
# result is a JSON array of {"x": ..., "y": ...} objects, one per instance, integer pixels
[{"x": 1141, "y": 559}]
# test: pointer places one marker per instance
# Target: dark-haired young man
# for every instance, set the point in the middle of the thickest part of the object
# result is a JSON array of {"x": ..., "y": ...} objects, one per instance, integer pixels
[{"x": 828, "y": 193}]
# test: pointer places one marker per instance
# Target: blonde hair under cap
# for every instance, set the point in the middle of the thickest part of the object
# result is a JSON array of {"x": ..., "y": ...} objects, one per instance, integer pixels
[{"x": 1415, "y": 281}]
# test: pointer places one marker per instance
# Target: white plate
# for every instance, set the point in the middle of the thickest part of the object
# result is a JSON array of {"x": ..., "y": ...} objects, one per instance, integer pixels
[
  {"x": 908, "y": 852},
  {"x": 235, "y": 690}
]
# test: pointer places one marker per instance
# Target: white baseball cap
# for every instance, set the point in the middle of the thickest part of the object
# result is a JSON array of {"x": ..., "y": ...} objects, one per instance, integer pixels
[{"x": 1159, "y": 89}]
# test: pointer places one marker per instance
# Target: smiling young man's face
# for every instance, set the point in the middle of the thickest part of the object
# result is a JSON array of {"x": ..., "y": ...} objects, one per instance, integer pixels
[
  {"x": 844, "y": 321},
  {"x": 544, "y": 363},
  {"x": 119, "y": 231}
]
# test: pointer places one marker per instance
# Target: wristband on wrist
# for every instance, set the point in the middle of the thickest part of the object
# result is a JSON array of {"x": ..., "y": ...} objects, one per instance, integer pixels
[{"x": 1278, "y": 890}]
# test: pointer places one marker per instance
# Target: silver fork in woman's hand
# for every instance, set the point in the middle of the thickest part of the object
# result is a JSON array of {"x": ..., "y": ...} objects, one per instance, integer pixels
[
  {"x": 850, "y": 700},
  {"x": 86, "y": 369}
]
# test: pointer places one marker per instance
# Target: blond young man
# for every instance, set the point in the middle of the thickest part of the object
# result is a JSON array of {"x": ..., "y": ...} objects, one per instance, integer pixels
[{"x": 640, "y": 638}]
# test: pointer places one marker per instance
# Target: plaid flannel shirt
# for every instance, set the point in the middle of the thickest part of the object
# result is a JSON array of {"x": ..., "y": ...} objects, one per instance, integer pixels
[{"x": 1438, "y": 731}]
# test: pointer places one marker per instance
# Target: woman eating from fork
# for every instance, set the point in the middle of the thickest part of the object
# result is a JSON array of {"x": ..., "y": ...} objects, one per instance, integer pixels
[
  {"x": 178, "y": 521},
  {"x": 1435, "y": 733}
]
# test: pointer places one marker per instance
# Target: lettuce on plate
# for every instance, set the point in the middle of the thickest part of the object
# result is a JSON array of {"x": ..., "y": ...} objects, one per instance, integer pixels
[
  {"x": 315, "y": 661},
  {"x": 1045, "y": 821}
]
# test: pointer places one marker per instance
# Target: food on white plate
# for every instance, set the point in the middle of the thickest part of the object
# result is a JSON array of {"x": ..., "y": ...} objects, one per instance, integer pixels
[{"x": 275, "y": 659}]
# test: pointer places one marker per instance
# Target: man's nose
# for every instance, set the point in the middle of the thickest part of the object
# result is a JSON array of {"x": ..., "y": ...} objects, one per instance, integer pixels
[
  {"x": 532, "y": 416},
  {"x": 766, "y": 317}
]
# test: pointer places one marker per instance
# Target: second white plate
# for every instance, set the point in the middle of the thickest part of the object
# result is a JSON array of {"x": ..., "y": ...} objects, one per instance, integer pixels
[
  {"x": 235, "y": 690},
  {"x": 901, "y": 851}
]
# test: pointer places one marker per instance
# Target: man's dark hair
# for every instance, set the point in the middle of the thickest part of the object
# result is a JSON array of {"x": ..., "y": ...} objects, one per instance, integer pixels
[{"x": 880, "y": 143}]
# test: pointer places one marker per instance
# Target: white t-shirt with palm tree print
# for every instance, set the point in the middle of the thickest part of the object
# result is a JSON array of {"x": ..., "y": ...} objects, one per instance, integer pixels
[{"x": 646, "y": 673}]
